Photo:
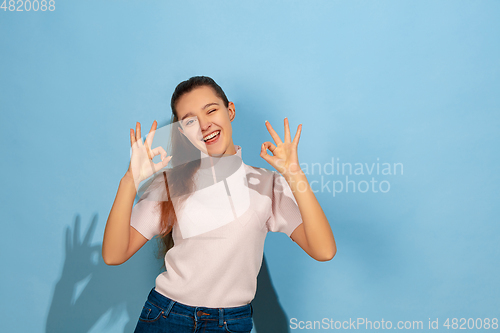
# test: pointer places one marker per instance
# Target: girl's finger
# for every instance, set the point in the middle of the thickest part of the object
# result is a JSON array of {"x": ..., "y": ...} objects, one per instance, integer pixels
[
  {"x": 148, "y": 151},
  {"x": 297, "y": 135},
  {"x": 269, "y": 145},
  {"x": 273, "y": 133},
  {"x": 160, "y": 165},
  {"x": 166, "y": 160},
  {"x": 132, "y": 137},
  {"x": 151, "y": 134},
  {"x": 287, "y": 131},
  {"x": 263, "y": 153},
  {"x": 138, "y": 137},
  {"x": 159, "y": 151}
]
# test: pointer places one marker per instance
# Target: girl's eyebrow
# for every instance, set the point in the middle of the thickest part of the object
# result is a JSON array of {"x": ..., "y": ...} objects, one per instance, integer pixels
[
  {"x": 187, "y": 115},
  {"x": 206, "y": 106},
  {"x": 191, "y": 114}
]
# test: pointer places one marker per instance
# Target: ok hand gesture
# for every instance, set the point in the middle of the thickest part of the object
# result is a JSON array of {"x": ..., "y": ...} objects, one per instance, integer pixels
[
  {"x": 141, "y": 162},
  {"x": 285, "y": 158}
]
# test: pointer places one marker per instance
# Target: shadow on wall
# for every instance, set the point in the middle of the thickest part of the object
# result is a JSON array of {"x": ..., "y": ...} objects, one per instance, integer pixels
[
  {"x": 268, "y": 315},
  {"x": 88, "y": 288}
]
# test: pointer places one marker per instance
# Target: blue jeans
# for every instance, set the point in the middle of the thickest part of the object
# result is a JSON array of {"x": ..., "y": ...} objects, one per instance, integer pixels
[{"x": 162, "y": 314}]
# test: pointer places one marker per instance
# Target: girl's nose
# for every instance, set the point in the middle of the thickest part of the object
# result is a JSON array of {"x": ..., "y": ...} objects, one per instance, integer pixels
[{"x": 204, "y": 125}]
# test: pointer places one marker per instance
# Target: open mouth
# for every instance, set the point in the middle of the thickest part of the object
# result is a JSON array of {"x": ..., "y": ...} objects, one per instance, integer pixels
[{"x": 212, "y": 137}]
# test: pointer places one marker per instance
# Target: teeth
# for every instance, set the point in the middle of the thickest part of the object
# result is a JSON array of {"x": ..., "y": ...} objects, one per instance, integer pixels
[{"x": 211, "y": 136}]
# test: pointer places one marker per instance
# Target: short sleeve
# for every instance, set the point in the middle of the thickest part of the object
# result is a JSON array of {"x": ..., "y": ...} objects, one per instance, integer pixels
[
  {"x": 146, "y": 215},
  {"x": 285, "y": 213},
  {"x": 145, "y": 218}
]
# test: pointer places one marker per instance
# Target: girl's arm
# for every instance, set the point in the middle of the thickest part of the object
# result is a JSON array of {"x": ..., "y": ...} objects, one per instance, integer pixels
[
  {"x": 120, "y": 240},
  {"x": 314, "y": 235}
]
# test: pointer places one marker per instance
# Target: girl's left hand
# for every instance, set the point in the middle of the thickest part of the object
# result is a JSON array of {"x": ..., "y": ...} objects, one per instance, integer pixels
[{"x": 285, "y": 158}]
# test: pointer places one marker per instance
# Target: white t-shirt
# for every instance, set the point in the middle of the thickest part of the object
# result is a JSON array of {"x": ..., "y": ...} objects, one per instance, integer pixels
[{"x": 220, "y": 233}]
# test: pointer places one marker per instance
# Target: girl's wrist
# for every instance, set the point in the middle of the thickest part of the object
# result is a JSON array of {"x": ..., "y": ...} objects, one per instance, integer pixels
[
  {"x": 128, "y": 176},
  {"x": 129, "y": 179},
  {"x": 297, "y": 175}
]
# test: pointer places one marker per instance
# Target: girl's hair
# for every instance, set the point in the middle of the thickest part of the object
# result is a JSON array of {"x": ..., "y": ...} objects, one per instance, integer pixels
[{"x": 185, "y": 162}]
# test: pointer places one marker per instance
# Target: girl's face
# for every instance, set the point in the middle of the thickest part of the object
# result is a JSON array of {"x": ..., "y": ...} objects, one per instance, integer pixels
[{"x": 201, "y": 114}]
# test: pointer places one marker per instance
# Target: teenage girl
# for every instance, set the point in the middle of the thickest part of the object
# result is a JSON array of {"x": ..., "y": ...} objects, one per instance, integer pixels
[{"x": 211, "y": 275}]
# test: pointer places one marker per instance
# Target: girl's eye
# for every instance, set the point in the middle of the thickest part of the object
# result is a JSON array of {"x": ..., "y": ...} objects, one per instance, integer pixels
[
  {"x": 212, "y": 110},
  {"x": 190, "y": 121}
]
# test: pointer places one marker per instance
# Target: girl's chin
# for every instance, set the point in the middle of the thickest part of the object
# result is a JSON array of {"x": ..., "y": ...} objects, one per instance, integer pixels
[{"x": 213, "y": 149}]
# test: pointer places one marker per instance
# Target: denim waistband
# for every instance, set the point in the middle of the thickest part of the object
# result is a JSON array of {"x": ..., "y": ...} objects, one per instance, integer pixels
[{"x": 199, "y": 312}]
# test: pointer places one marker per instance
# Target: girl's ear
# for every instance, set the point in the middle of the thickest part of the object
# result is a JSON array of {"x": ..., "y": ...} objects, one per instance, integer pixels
[{"x": 231, "y": 110}]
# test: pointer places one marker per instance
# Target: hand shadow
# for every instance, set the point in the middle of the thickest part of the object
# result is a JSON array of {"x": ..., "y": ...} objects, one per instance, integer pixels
[{"x": 105, "y": 288}]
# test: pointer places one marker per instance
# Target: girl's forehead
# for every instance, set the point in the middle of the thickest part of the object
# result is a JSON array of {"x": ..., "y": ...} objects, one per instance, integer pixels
[
  {"x": 195, "y": 106},
  {"x": 197, "y": 96}
]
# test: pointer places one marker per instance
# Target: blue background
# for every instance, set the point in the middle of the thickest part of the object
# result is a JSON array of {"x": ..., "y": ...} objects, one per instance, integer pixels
[{"x": 411, "y": 82}]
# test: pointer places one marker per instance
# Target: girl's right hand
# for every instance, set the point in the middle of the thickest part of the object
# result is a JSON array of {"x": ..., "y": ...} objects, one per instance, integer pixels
[{"x": 141, "y": 162}]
